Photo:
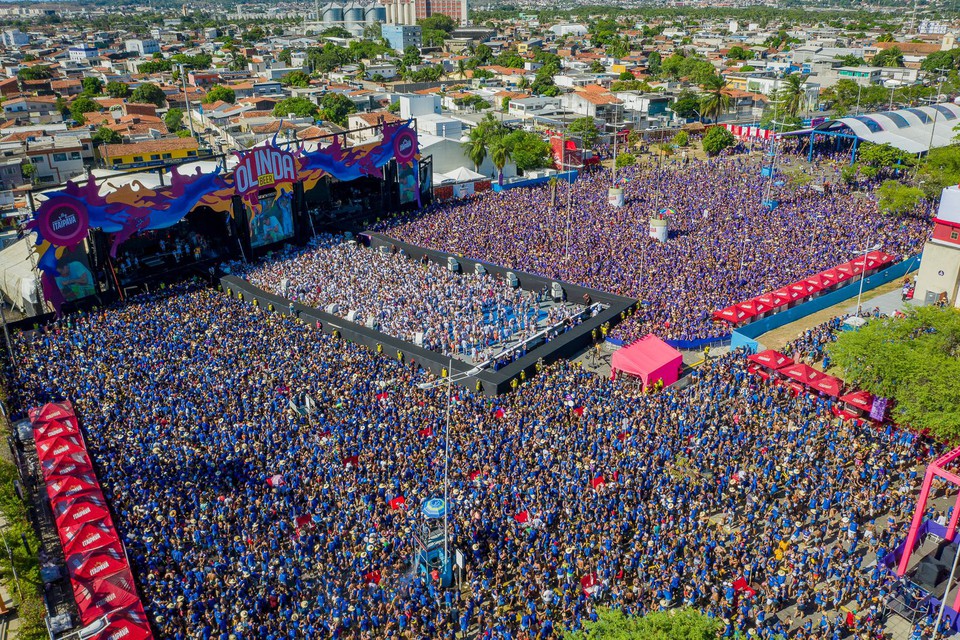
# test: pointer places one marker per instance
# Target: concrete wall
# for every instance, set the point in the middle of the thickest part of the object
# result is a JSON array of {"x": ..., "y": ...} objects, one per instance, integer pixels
[{"x": 939, "y": 271}]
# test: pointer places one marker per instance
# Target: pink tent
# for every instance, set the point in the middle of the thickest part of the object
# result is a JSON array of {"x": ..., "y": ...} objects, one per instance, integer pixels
[{"x": 649, "y": 359}]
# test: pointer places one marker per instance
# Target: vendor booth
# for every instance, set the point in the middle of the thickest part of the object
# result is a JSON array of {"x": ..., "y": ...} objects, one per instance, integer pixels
[{"x": 649, "y": 359}]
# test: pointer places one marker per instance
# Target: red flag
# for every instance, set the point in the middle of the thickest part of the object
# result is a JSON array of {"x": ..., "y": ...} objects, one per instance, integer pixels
[
  {"x": 383, "y": 396},
  {"x": 276, "y": 480},
  {"x": 597, "y": 482},
  {"x": 474, "y": 474},
  {"x": 425, "y": 433},
  {"x": 622, "y": 436},
  {"x": 397, "y": 503},
  {"x": 303, "y": 522},
  {"x": 351, "y": 461},
  {"x": 373, "y": 577},
  {"x": 522, "y": 517},
  {"x": 589, "y": 584},
  {"x": 499, "y": 413},
  {"x": 578, "y": 411}
]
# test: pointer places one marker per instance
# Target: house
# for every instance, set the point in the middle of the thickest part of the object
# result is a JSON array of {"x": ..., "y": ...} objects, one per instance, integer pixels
[
  {"x": 148, "y": 154},
  {"x": 596, "y": 102},
  {"x": 39, "y": 109},
  {"x": 57, "y": 159},
  {"x": 364, "y": 127}
]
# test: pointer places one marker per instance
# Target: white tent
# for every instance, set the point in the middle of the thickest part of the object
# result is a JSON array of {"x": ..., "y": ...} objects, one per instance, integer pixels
[
  {"x": 18, "y": 279},
  {"x": 463, "y": 174}
]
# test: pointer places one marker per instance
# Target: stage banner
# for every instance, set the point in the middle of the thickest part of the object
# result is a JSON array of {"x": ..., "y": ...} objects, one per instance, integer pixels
[{"x": 65, "y": 216}]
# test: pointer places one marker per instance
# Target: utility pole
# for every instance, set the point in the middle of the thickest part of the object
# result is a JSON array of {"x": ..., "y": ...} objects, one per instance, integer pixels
[{"x": 186, "y": 99}]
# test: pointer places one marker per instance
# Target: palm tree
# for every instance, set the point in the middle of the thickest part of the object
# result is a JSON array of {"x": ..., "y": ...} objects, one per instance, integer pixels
[
  {"x": 500, "y": 154},
  {"x": 462, "y": 68},
  {"x": 715, "y": 102},
  {"x": 476, "y": 147},
  {"x": 792, "y": 93}
]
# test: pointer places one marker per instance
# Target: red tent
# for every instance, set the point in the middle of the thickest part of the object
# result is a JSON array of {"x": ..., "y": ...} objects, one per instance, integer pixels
[
  {"x": 70, "y": 486},
  {"x": 733, "y": 315},
  {"x": 76, "y": 510},
  {"x": 68, "y": 464},
  {"x": 101, "y": 596},
  {"x": 52, "y": 411},
  {"x": 853, "y": 268},
  {"x": 88, "y": 536},
  {"x": 53, "y": 428},
  {"x": 836, "y": 276},
  {"x": 130, "y": 624},
  {"x": 788, "y": 294},
  {"x": 861, "y": 400},
  {"x": 773, "y": 300},
  {"x": 801, "y": 373},
  {"x": 754, "y": 307},
  {"x": 829, "y": 385},
  {"x": 770, "y": 359},
  {"x": 99, "y": 563},
  {"x": 876, "y": 259},
  {"x": 58, "y": 446},
  {"x": 649, "y": 359},
  {"x": 805, "y": 288}
]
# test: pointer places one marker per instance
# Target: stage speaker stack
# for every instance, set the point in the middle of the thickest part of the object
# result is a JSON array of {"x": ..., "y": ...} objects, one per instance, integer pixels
[
  {"x": 285, "y": 287},
  {"x": 556, "y": 292},
  {"x": 453, "y": 264},
  {"x": 371, "y": 323},
  {"x": 332, "y": 309},
  {"x": 513, "y": 280},
  {"x": 418, "y": 338},
  {"x": 352, "y": 315},
  {"x": 479, "y": 269}
]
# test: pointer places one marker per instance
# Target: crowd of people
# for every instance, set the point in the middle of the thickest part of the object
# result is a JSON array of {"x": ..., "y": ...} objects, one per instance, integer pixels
[
  {"x": 724, "y": 247},
  {"x": 245, "y": 518},
  {"x": 471, "y": 315}
]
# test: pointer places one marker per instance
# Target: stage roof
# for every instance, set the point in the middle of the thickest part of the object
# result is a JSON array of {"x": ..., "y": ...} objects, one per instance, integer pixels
[{"x": 906, "y": 129}]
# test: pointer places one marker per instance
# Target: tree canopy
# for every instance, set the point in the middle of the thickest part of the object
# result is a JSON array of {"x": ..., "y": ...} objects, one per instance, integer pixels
[
  {"x": 940, "y": 169},
  {"x": 892, "y": 57},
  {"x": 148, "y": 93},
  {"x": 36, "y": 72},
  {"x": 915, "y": 360},
  {"x": 335, "y": 107},
  {"x": 299, "y": 107},
  {"x": 716, "y": 140},
  {"x": 220, "y": 92},
  {"x": 586, "y": 129},
  {"x": 103, "y": 135},
  {"x": 83, "y": 105},
  {"x": 897, "y": 198},
  {"x": 117, "y": 89},
  {"x": 675, "y": 624}
]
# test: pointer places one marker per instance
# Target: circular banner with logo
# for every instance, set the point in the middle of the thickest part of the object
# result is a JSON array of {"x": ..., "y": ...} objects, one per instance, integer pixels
[
  {"x": 434, "y": 508},
  {"x": 405, "y": 146},
  {"x": 63, "y": 221}
]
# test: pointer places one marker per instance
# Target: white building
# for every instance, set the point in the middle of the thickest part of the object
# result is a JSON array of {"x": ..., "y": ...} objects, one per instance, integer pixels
[
  {"x": 83, "y": 54},
  {"x": 931, "y": 28},
  {"x": 13, "y": 38},
  {"x": 575, "y": 30},
  {"x": 939, "y": 275},
  {"x": 142, "y": 47}
]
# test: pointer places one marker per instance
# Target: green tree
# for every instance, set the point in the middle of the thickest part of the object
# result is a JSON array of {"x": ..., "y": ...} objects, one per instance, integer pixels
[
  {"x": 219, "y": 92},
  {"x": 335, "y": 107},
  {"x": 654, "y": 61},
  {"x": 626, "y": 160},
  {"x": 254, "y": 34},
  {"x": 439, "y": 22},
  {"x": 117, "y": 89},
  {"x": 91, "y": 86},
  {"x": 433, "y": 37},
  {"x": 716, "y": 140},
  {"x": 586, "y": 129},
  {"x": 500, "y": 155},
  {"x": 892, "y": 57},
  {"x": 715, "y": 101},
  {"x": 336, "y": 32},
  {"x": 941, "y": 60},
  {"x": 411, "y": 57},
  {"x": 686, "y": 104},
  {"x": 675, "y": 624},
  {"x": 851, "y": 60},
  {"x": 792, "y": 93},
  {"x": 739, "y": 53},
  {"x": 596, "y": 67},
  {"x": 296, "y": 79},
  {"x": 174, "y": 119},
  {"x": 103, "y": 135},
  {"x": 83, "y": 105},
  {"x": 239, "y": 63},
  {"x": 896, "y": 198},
  {"x": 36, "y": 72},
  {"x": 915, "y": 360},
  {"x": 28, "y": 171},
  {"x": 682, "y": 139},
  {"x": 877, "y": 159},
  {"x": 528, "y": 150},
  {"x": 476, "y": 147},
  {"x": 148, "y": 93},
  {"x": 285, "y": 56},
  {"x": 299, "y": 107},
  {"x": 626, "y": 76},
  {"x": 940, "y": 169}
]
